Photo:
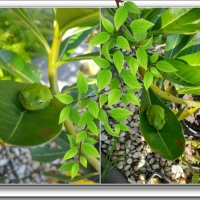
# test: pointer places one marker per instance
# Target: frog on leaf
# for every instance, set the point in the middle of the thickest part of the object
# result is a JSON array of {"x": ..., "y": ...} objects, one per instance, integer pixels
[
  {"x": 156, "y": 116},
  {"x": 35, "y": 96}
]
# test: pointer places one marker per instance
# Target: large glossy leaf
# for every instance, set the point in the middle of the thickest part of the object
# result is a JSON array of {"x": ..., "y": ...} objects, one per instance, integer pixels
[
  {"x": 186, "y": 75},
  {"x": 177, "y": 21},
  {"x": 174, "y": 44},
  {"x": 169, "y": 142},
  {"x": 77, "y": 17},
  {"x": 45, "y": 154},
  {"x": 22, "y": 127},
  {"x": 20, "y": 12},
  {"x": 189, "y": 90},
  {"x": 15, "y": 65}
]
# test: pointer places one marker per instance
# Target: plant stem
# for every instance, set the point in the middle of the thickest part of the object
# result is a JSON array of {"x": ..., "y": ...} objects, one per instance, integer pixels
[{"x": 53, "y": 58}]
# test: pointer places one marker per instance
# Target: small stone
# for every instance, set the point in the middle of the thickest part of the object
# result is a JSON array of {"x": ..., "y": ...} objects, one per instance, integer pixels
[
  {"x": 35, "y": 165},
  {"x": 132, "y": 124},
  {"x": 107, "y": 88},
  {"x": 151, "y": 161},
  {"x": 136, "y": 154},
  {"x": 21, "y": 169},
  {"x": 184, "y": 175},
  {"x": 167, "y": 169},
  {"x": 104, "y": 146},
  {"x": 37, "y": 179},
  {"x": 155, "y": 166},
  {"x": 120, "y": 153},
  {"x": 129, "y": 160},
  {"x": 117, "y": 146},
  {"x": 143, "y": 170},
  {"x": 130, "y": 118},
  {"x": 122, "y": 134},
  {"x": 139, "y": 148},
  {"x": 128, "y": 144},
  {"x": 120, "y": 165},
  {"x": 17, "y": 152},
  {"x": 162, "y": 163},
  {"x": 169, "y": 163},
  {"x": 56, "y": 162},
  {"x": 125, "y": 122},
  {"x": 127, "y": 167},
  {"x": 139, "y": 182},
  {"x": 138, "y": 140},
  {"x": 149, "y": 169},
  {"x": 104, "y": 137},
  {"x": 131, "y": 181},
  {"x": 142, "y": 177},
  {"x": 122, "y": 147},
  {"x": 187, "y": 171},
  {"x": 34, "y": 175},
  {"x": 141, "y": 163},
  {"x": 127, "y": 150},
  {"x": 132, "y": 108},
  {"x": 3, "y": 162},
  {"x": 122, "y": 139},
  {"x": 127, "y": 173}
]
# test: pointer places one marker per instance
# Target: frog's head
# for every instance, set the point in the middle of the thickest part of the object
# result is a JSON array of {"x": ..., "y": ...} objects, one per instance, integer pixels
[{"x": 35, "y": 96}]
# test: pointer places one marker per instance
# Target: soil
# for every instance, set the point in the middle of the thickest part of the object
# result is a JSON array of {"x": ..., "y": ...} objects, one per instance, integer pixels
[{"x": 193, "y": 121}]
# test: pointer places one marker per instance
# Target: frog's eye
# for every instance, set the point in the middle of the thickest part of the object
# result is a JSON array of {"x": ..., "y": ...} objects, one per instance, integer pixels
[
  {"x": 39, "y": 102},
  {"x": 21, "y": 95}
]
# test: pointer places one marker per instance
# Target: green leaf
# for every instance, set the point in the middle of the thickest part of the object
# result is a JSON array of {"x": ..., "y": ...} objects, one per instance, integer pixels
[
  {"x": 68, "y": 18},
  {"x": 93, "y": 128},
  {"x": 90, "y": 141},
  {"x": 93, "y": 108},
  {"x": 165, "y": 66},
  {"x": 45, "y": 154},
  {"x": 140, "y": 25},
  {"x": 132, "y": 98},
  {"x": 71, "y": 153},
  {"x": 185, "y": 75},
  {"x": 189, "y": 90},
  {"x": 102, "y": 62},
  {"x": 74, "y": 116},
  {"x": 64, "y": 98},
  {"x": 82, "y": 83},
  {"x": 103, "y": 99},
  {"x": 114, "y": 96},
  {"x": 21, "y": 127},
  {"x": 191, "y": 59},
  {"x": 148, "y": 80},
  {"x": 177, "y": 21},
  {"x": 90, "y": 150},
  {"x": 120, "y": 17},
  {"x": 133, "y": 64},
  {"x": 121, "y": 127},
  {"x": 174, "y": 44},
  {"x": 195, "y": 178},
  {"x": 72, "y": 140},
  {"x": 16, "y": 65},
  {"x": 154, "y": 57},
  {"x": 118, "y": 60},
  {"x": 129, "y": 79},
  {"x": 139, "y": 37},
  {"x": 83, "y": 103},
  {"x": 107, "y": 25},
  {"x": 122, "y": 43},
  {"x": 102, "y": 116},
  {"x": 169, "y": 146},
  {"x": 64, "y": 114},
  {"x": 81, "y": 136},
  {"x": 20, "y": 12},
  {"x": 148, "y": 43},
  {"x": 105, "y": 50},
  {"x": 83, "y": 161},
  {"x": 131, "y": 7},
  {"x": 114, "y": 84},
  {"x": 100, "y": 38},
  {"x": 124, "y": 100},
  {"x": 110, "y": 131},
  {"x": 85, "y": 118},
  {"x": 66, "y": 167},
  {"x": 118, "y": 113},
  {"x": 142, "y": 57},
  {"x": 74, "y": 170},
  {"x": 155, "y": 72},
  {"x": 103, "y": 79}
]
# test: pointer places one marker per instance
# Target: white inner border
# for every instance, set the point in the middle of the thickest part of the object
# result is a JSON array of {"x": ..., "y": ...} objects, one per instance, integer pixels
[{"x": 101, "y": 190}]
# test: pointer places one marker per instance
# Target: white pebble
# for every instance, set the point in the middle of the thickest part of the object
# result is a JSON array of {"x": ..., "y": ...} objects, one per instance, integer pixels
[
  {"x": 129, "y": 160},
  {"x": 104, "y": 137},
  {"x": 141, "y": 163},
  {"x": 142, "y": 177},
  {"x": 127, "y": 167},
  {"x": 155, "y": 166},
  {"x": 119, "y": 153},
  {"x": 132, "y": 108},
  {"x": 120, "y": 165},
  {"x": 136, "y": 154},
  {"x": 151, "y": 161},
  {"x": 22, "y": 169},
  {"x": 131, "y": 181},
  {"x": 128, "y": 144},
  {"x": 3, "y": 162}
]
